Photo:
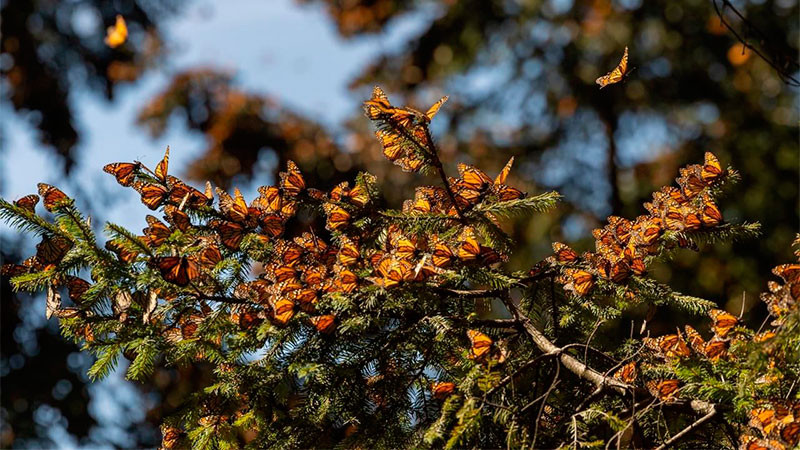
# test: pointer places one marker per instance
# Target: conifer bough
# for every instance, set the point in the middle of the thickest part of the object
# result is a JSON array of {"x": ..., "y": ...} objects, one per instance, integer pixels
[{"x": 367, "y": 333}]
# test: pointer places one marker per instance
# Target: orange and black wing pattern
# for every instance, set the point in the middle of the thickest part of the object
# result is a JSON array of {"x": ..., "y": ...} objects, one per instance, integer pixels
[{"x": 616, "y": 75}]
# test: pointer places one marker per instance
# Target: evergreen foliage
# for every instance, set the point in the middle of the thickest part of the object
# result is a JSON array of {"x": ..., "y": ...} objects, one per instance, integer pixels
[{"x": 373, "y": 331}]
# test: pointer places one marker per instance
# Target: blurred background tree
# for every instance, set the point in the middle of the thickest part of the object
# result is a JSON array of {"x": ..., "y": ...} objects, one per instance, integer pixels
[{"x": 520, "y": 75}]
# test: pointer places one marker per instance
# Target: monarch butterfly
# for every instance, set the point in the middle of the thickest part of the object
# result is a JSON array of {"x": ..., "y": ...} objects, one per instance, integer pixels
[
  {"x": 28, "y": 203},
  {"x": 790, "y": 273},
  {"x": 711, "y": 170},
  {"x": 170, "y": 437},
  {"x": 210, "y": 256},
  {"x": 125, "y": 255},
  {"x": 348, "y": 252},
  {"x": 579, "y": 281},
  {"x": 152, "y": 194},
  {"x": 664, "y": 390},
  {"x": 620, "y": 228},
  {"x": 790, "y": 433},
  {"x": 283, "y": 310},
  {"x": 292, "y": 182},
  {"x": 648, "y": 228},
  {"x": 441, "y": 390},
  {"x": 752, "y": 443},
  {"x": 125, "y": 173},
  {"x": 77, "y": 288},
  {"x": 269, "y": 199},
  {"x": 691, "y": 182},
  {"x": 481, "y": 344},
  {"x": 271, "y": 224},
  {"x": 117, "y": 34},
  {"x": 314, "y": 276},
  {"x": 616, "y": 75},
  {"x": 669, "y": 346},
  {"x": 156, "y": 233},
  {"x": 469, "y": 249},
  {"x": 177, "y": 218},
  {"x": 324, "y": 324},
  {"x": 766, "y": 419},
  {"x": 52, "y": 249},
  {"x": 442, "y": 255},
  {"x": 230, "y": 233},
  {"x": 176, "y": 269},
  {"x": 393, "y": 272},
  {"x": 182, "y": 194},
  {"x": 289, "y": 252},
  {"x": 307, "y": 298},
  {"x": 357, "y": 196},
  {"x": 711, "y": 215},
  {"x": 234, "y": 208},
  {"x": 52, "y": 197},
  {"x": 723, "y": 322},
  {"x": 284, "y": 273},
  {"x": 695, "y": 340},
  {"x": 345, "y": 280},
  {"x": 615, "y": 269},
  {"x": 14, "y": 270},
  {"x": 503, "y": 175},
  {"x": 162, "y": 166},
  {"x": 402, "y": 247},
  {"x": 338, "y": 218},
  {"x": 627, "y": 373}
]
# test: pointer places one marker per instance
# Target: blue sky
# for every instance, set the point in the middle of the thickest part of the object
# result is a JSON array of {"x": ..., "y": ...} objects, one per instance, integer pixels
[{"x": 289, "y": 51}]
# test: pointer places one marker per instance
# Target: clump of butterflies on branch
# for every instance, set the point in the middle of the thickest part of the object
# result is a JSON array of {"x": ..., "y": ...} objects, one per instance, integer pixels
[{"x": 213, "y": 256}]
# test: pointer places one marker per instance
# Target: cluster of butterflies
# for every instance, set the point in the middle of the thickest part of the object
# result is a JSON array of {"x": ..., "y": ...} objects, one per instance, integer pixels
[
  {"x": 472, "y": 187},
  {"x": 783, "y": 298},
  {"x": 623, "y": 246},
  {"x": 50, "y": 252},
  {"x": 402, "y": 131},
  {"x": 298, "y": 273},
  {"x": 778, "y": 422},
  {"x": 674, "y": 346}
]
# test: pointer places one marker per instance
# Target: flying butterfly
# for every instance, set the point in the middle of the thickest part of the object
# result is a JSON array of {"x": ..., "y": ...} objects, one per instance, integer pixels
[
  {"x": 179, "y": 270},
  {"x": 117, "y": 34},
  {"x": 616, "y": 75},
  {"x": 162, "y": 167}
]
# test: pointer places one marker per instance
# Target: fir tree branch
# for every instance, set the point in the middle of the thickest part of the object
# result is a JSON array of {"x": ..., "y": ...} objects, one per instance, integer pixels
[
  {"x": 711, "y": 413},
  {"x": 582, "y": 370}
]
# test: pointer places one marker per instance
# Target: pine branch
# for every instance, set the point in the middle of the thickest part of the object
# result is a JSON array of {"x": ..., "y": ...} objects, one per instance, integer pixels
[
  {"x": 26, "y": 221},
  {"x": 521, "y": 207}
]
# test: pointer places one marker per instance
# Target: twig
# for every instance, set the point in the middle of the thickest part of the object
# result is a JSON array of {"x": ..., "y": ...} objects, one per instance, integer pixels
[
  {"x": 437, "y": 163},
  {"x": 688, "y": 429},
  {"x": 783, "y": 72},
  {"x": 544, "y": 403}
]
